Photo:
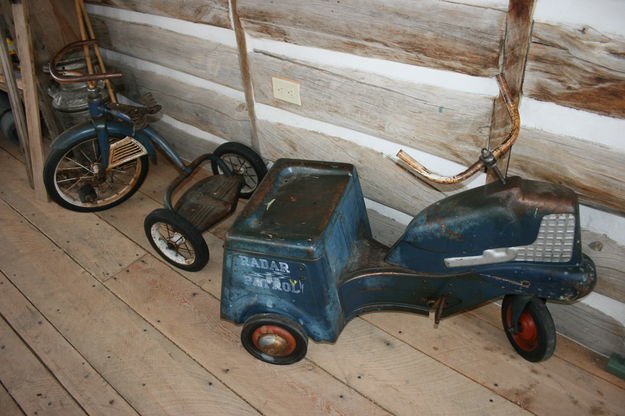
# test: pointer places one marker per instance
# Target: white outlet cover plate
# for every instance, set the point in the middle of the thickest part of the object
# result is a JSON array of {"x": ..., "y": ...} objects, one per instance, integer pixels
[{"x": 286, "y": 90}]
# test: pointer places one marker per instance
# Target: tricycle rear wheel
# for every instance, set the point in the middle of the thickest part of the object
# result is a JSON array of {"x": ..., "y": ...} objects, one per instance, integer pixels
[
  {"x": 244, "y": 161},
  {"x": 535, "y": 339},
  {"x": 274, "y": 339}
]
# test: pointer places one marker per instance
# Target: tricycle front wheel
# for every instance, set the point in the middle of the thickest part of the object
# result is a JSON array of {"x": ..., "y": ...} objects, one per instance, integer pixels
[
  {"x": 535, "y": 339},
  {"x": 74, "y": 180},
  {"x": 274, "y": 339}
]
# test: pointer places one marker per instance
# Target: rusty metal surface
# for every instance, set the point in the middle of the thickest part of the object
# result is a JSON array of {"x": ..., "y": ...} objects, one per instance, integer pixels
[{"x": 499, "y": 151}]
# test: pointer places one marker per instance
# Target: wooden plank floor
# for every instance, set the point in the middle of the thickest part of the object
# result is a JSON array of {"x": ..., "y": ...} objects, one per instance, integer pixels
[{"x": 92, "y": 322}]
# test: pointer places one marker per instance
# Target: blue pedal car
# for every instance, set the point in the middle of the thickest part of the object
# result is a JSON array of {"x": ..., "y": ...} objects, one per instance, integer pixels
[{"x": 300, "y": 261}]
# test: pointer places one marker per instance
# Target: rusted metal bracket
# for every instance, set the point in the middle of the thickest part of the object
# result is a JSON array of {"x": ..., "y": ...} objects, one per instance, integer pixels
[{"x": 480, "y": 164}]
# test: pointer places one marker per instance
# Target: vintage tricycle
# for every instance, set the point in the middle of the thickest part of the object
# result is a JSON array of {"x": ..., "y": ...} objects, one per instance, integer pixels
[
  {"x": 101, "y": 162},
  {"x": 300, "y": 260}
]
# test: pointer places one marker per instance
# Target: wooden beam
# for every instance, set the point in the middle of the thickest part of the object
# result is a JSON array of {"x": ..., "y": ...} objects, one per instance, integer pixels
[
  {"x": 515, "y": 48},
  {"x": 31, "y": 99}
]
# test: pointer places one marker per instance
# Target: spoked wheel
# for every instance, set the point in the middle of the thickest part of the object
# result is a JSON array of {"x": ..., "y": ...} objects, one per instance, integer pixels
[
  {"x": 74, "y": 180},
  {"x": 535, "y": 339},
  {"x": 176, "y": 240},
  {"x": 243, "y": 161},
  {"x": 274, "y": 339}
]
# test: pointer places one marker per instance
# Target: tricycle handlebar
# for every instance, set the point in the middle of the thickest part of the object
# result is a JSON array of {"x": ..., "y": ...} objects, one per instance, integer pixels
[
  {"x": 62, "y": 76},
  {"x": 482, "y": 162}
]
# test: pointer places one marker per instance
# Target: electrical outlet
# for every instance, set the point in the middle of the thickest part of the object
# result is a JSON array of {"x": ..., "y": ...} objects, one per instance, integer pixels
[{"x": 286, "y": 90}]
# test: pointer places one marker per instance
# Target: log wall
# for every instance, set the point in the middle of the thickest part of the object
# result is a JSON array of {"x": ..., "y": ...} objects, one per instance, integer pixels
[{"x": 377, "y": 76}]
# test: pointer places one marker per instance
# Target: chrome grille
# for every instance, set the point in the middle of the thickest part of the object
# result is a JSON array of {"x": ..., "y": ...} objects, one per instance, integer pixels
[
  {"x": 554, "y": 243},
  {"x": 125, "y": 150}
]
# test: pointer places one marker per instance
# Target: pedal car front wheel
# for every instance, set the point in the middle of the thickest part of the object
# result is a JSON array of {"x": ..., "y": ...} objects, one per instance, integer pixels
[
  {"x": 274, "y": 339},
  {"x": 535, "y": 339},
  {"x": 176, "y": 240}
]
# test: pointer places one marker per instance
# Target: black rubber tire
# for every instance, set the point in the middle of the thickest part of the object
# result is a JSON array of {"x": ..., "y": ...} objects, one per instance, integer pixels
[
  {"x": 252, "y": 158},
  {"x": 269, "y": 322},
  {"x": 56, "y": 156},
  {"x": 536, "y": 339},
  {"x": 184, "y": 228}
]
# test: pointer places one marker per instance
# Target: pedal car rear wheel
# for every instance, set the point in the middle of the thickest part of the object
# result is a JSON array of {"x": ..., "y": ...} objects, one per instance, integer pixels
[
  {"x": 274, "y": 339},
  {"x": 243, "y": 161},
  {"x": 535, "y": 339},
  {"x": 176, "y": 240}
]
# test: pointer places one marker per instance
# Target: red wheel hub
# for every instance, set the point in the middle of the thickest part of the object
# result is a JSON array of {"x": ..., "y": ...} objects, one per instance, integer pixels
[
  {"x": 274, "y": 340},
  {"x": 527, "y": 337}
]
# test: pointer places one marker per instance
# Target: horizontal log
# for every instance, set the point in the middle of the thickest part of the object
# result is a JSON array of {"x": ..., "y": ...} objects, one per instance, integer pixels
[
  {"x": 381, "y": 179},
  {"x": 205, "y": 109},
  {"x": 200, "y": 57},
  {"x": 185, "y": 144},
  {"x": 594, "y": 171},
  {"x": 577, "y": 66},
  {"x": 446, "y": 123},
  {"x": 430, "y": 33},
  {"x": 212, "y": 12}
]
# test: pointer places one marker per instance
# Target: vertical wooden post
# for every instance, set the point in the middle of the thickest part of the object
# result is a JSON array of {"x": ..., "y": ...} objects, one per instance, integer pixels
[
  {"x": 16, "y": 104},
  {"x": 31, "y": 100},
  {"x": 245, "y": 72},
  {"x": 515, "y": 50}
]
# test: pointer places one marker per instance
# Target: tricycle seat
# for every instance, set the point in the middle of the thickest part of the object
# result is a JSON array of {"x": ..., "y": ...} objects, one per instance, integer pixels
[{"x": 209, "y": 200}]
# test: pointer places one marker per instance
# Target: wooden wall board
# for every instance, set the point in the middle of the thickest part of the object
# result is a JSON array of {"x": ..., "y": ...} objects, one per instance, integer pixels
[
  {"x": 8, "y": 405},
  {"x": 125, "y": 349},
  {"x": 29, "y": 381},
  {"x": 463, "y": 341},
  {"x": 113, "y": 251},
  {"x": 381, "y": 179},
  {"x": 185, "y": 313},
  {"x": 212, "y": 61},
  {"x": 437, "y": 34},
  {"x": 446, "y": 123},
  {"x": 594, "y": 171},
  {"x": 577, "y": 66},
  {"x": 86, "y": 386},
  {"x": 200, "y": 107},
  {"x": 212, "y": 12}
]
